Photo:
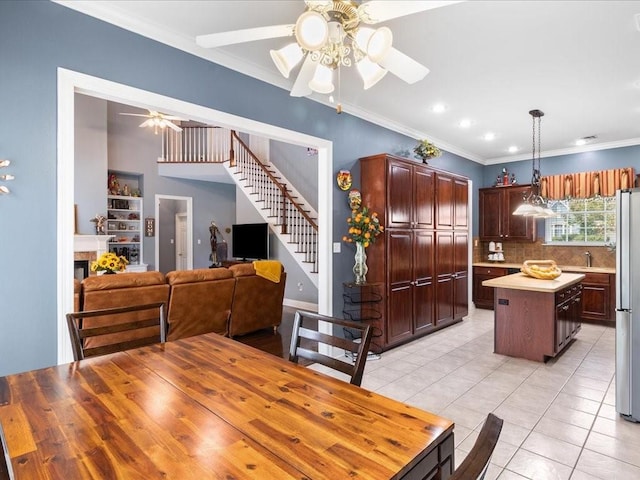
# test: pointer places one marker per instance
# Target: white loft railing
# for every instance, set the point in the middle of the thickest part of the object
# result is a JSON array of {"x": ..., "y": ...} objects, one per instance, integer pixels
[{"x": 196, "y": 145}]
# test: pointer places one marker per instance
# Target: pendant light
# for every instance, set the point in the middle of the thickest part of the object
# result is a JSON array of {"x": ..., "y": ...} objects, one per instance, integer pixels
[{"x": 534, "y": 204}]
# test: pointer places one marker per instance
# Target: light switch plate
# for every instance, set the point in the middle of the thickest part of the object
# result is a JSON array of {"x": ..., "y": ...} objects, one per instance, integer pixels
[{"x": 336, "y": 247}]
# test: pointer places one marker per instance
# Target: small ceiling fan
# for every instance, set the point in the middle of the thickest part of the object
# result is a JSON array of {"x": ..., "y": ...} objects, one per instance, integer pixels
[
  {"x": 157, "y": 120},
  {"x": 330, "y": 34}
]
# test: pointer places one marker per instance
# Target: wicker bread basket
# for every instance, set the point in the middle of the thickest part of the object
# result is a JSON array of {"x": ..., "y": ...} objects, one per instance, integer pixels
[{"x": 543, "y": 269}]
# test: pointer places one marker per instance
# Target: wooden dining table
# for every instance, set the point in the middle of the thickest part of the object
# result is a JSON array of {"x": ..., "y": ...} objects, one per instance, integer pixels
[{"x": 208, "y": 407}]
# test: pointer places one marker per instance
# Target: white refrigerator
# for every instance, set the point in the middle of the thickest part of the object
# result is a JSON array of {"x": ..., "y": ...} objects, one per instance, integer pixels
[{"x": 628, "y": 304}]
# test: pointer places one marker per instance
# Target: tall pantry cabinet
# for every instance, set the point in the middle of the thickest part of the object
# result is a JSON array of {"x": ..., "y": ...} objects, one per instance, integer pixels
[{"x": 421, "y": 258}]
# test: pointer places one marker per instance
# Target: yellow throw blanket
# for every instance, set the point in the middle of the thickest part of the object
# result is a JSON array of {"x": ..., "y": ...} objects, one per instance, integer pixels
[{"x": 269, "y": 269}]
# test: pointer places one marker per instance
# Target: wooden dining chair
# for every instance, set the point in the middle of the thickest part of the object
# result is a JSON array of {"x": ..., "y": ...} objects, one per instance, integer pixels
[
  {"x": 6, "y": 471},
  {"x": 474, "y": 466},
  {"x": 142, "y": 325},
  {"x": 306, "y": 337}
]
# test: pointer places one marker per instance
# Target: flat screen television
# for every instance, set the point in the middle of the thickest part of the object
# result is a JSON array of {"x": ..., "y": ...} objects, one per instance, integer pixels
[{"x": 250, "y": 241}]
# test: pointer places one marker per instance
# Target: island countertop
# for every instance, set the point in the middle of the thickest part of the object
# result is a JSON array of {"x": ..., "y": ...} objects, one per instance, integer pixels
[{"x": 520, "y": 281}]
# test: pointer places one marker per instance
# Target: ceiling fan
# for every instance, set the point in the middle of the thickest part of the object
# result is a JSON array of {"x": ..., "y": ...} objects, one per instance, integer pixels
[
  {"x": 157, "y": 120},
  {"x": 330, "y": 34}
]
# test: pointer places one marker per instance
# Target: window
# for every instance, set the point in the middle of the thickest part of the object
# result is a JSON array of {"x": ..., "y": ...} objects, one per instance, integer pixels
[{"x": 582, "y": 220}]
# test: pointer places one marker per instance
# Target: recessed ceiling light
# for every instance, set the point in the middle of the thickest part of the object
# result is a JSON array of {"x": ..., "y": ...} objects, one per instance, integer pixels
[
  {"x": 439, "y": 108},
  {"x": 464, "y": 123},
  {"x": 585, "y": 140},
  {"x": 513, "y": 149},
  {"x": 489, "y": 136}
]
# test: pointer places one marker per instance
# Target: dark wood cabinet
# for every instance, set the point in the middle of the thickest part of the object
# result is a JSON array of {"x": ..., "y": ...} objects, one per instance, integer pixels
[
  {"x": 422, "y": 258},
  {"x": 483, "y": 296},
  {"x": 497, "y": 222},
  {"x": 598, "y": 298},
  {"x": 567, "y": 320}
]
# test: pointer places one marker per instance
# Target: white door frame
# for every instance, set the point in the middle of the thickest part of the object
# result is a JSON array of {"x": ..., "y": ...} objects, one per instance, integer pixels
[
  {"x": 70, "y": 83},
  {"x": 189, "y": 212}
]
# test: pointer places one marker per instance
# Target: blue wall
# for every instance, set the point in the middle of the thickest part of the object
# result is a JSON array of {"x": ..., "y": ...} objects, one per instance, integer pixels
[{"x": 36, "y": 38}]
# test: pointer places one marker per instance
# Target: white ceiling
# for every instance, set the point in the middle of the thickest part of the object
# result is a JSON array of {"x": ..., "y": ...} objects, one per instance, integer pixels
[{"x": 490, "y": 61}]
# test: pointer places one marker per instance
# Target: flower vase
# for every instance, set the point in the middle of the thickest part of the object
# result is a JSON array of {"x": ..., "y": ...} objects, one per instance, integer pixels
[{"x": 360, "y": 268}]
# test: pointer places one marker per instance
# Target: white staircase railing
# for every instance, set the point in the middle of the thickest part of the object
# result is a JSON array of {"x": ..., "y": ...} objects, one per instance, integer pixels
[{"x": 293, "y": 221}]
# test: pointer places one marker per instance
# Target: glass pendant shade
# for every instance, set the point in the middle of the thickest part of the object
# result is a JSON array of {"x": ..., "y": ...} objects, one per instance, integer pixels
[
  {"x": 312, "y": 31},
  {"x": 370, "y": 72},
  {"x": 379, "y": 44},
  {"x": 286, "y": 58},
  {"x": 322, "y": 81}
]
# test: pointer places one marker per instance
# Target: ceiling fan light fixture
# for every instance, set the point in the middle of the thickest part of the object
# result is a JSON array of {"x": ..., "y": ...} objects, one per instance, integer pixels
[
  {"x": 287, "y": 58},
  {"x": 380, "y": 44},
  {"x": 312, "y": 31},
  {"x": 370, "y": 72},
  {"x": 322, "y": 81}
]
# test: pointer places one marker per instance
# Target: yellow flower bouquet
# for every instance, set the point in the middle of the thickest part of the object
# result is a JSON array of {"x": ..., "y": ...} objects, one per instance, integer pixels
[
  {"x": 109, "y": 262},
  {"x": 426, "y": 150},
  {"x": 364, "y": 227}
]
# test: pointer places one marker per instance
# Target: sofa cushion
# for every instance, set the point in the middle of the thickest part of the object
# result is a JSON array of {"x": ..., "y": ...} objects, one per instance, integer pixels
[
  {"x": 121, "y": 290},
  {"x": 257, "y": 302},
  {"x": 200, "y": 302}
]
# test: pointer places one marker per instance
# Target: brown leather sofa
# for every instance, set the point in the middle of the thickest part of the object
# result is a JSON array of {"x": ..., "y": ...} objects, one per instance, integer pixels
[
  {"x": 121, "y": 290},
  {"x": 199, "y": 302},
  {"x": 229, "y": 301},
  {"x": 257, "y": 302}
]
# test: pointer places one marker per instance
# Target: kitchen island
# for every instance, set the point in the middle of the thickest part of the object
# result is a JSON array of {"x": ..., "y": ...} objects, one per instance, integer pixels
[{"x": 535, "y": 319}]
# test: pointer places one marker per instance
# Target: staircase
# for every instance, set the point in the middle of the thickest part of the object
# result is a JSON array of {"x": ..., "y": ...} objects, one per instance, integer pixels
[{"x": 291, "y": 219}]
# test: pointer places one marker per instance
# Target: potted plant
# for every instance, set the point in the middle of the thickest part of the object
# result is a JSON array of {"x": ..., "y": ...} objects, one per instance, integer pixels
[{"x": 426, "y": 150}]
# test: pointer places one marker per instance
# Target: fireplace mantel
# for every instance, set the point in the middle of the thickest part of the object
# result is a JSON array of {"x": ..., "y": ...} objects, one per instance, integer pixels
[{"x": 91, "y": 243}]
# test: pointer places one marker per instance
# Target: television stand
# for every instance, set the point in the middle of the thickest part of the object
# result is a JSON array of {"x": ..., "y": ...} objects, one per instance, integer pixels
[{"x": 228, "y": 263}]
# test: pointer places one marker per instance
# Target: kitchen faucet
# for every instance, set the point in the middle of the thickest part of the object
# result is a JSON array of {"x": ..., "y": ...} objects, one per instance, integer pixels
[{"x": 588, "y": 255}]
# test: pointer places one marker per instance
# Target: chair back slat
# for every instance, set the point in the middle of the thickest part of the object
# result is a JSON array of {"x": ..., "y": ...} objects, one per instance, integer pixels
[
  {"x": 475, "y": 464},
  {"x": 306, "y": 340},
  {"x": 124, "y": 335}
]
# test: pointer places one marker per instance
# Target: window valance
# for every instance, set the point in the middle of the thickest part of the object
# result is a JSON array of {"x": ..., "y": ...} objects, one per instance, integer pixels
[{"x": 586, "y": 184}]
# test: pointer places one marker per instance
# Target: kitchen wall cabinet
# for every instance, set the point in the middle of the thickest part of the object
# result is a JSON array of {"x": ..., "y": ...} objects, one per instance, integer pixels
[
  {"x": 497, "y": 222},
  {"x": 422, "y": 258}
]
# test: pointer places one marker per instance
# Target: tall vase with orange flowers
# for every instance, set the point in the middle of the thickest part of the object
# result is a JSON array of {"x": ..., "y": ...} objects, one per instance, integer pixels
[{"x": 364, "y": 227}]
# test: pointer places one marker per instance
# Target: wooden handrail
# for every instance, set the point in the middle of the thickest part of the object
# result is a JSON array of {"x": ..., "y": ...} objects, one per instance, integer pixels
[{"x": 281, "y": 187}]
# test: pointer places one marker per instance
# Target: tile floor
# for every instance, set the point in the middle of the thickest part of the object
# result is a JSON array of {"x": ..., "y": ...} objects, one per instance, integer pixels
[{"x": 559, "y": 417}]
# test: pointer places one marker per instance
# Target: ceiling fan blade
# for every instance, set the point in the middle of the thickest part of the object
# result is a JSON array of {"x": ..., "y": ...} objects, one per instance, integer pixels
[
  {"x": 173, "y": 126},
  {"x": 301, "y": 86},
  {"x": 135, "y": 114},
  {"x": 403, "y": 66},
  {"x": 375, "y": 11},
  {"x": 171, "y": 117},
  {"x": 213, "y": 40}
]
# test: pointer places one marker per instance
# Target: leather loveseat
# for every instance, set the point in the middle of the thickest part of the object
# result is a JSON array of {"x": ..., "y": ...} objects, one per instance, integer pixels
[{"x": 229, "y": 301}]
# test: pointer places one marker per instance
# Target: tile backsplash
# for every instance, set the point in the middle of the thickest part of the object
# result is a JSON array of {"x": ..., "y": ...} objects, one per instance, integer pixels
[{"x": 518, "y": 252}]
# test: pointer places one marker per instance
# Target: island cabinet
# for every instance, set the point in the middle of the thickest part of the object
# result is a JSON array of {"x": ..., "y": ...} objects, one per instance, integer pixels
[
  {"x": 421, "y": 259},
  {"x": 535, "y": 319},
  {"x": 497, "y": 222},
  {"x": 483, "y": 296}
]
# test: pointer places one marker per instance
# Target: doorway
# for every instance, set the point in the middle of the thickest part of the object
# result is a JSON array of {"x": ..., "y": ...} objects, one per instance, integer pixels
[
  {"x": 174, "y": 233},
  {"x": 70, "y": 83}
]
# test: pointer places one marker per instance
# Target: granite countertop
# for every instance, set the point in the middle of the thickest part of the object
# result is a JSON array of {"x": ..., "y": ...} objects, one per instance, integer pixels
[
  {"x": 564, "y": 268},
  {"x": 520, "y": 281}
]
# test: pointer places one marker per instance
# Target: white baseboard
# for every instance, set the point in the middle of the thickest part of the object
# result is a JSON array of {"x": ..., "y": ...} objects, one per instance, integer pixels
[{"x": 312, "y": 307}]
